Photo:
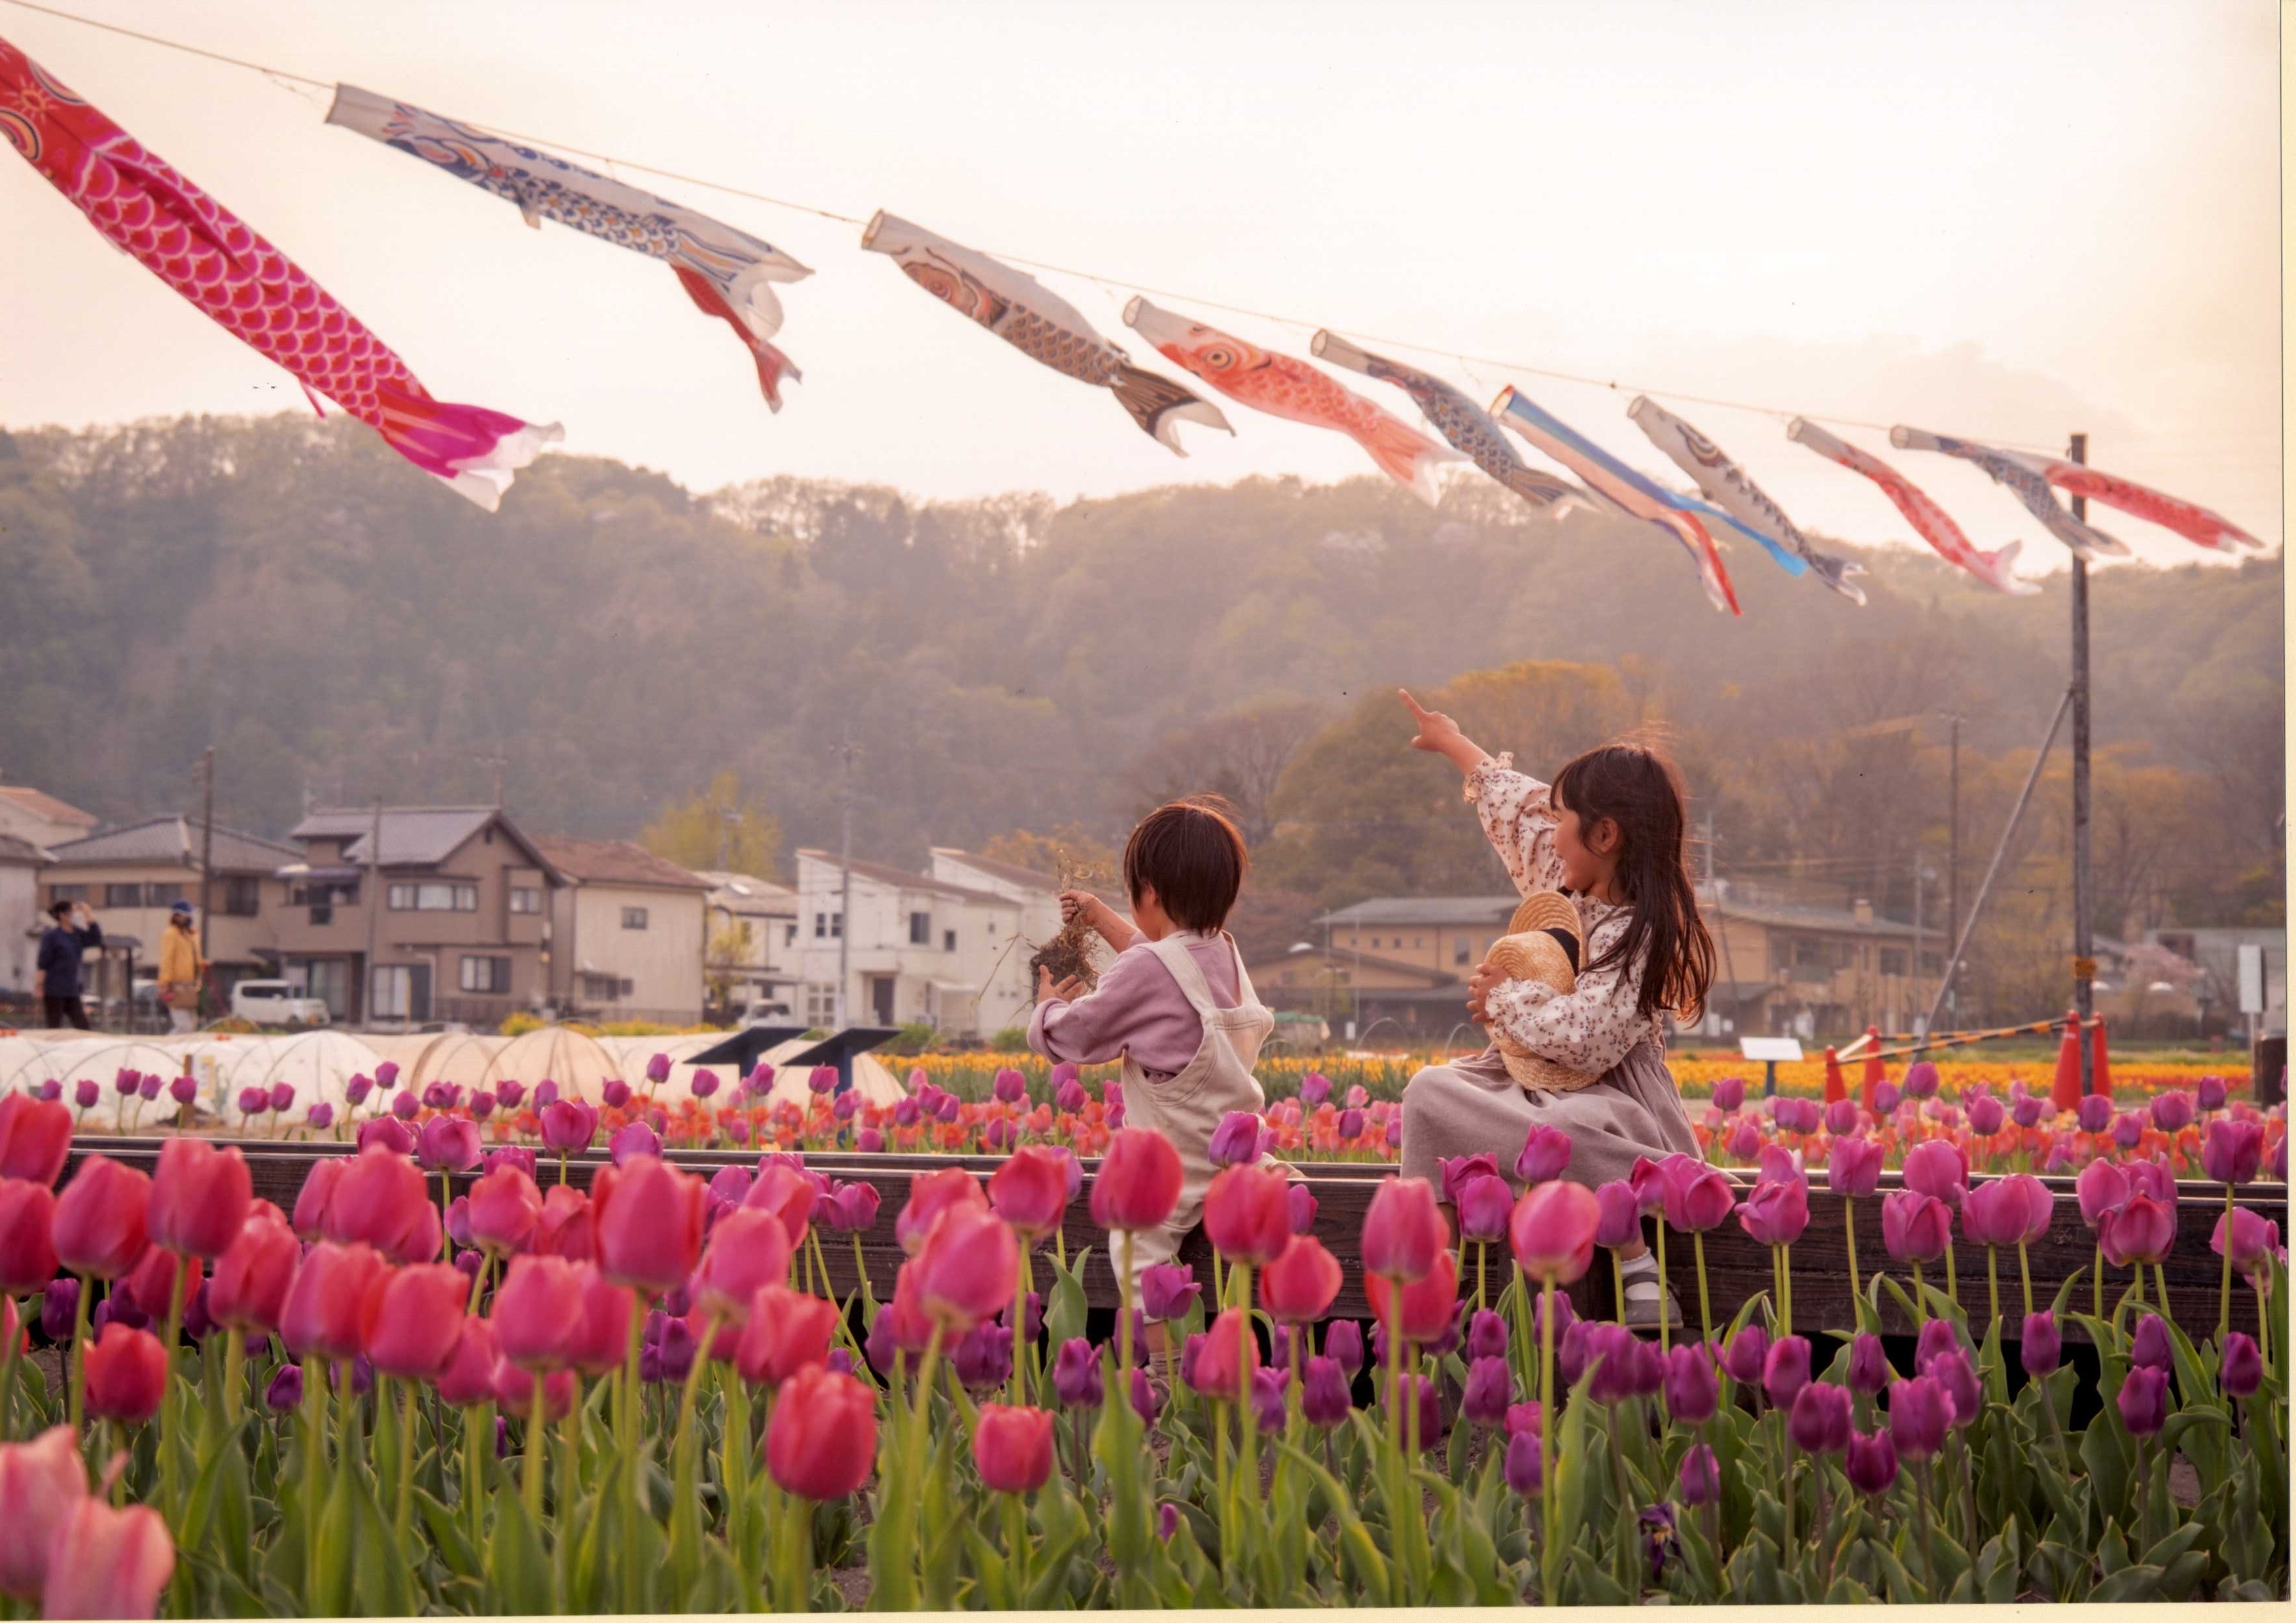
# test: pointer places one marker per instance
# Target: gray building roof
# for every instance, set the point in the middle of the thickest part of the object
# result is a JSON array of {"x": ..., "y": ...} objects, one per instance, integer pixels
[
  {"x": 21, "y": 853},
  {"x": 176, "y": 840},
  {"x": 1833, "y": 919},
  {"x": 413, "y": 836},
  {"x": 1426, "y": 910}
]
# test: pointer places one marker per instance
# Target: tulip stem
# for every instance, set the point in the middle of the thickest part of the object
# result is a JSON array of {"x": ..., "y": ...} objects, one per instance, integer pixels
[
  {"x": 308, "y": 1491},
  {"x": 734, "y": 1466},
  {"x": 79, "y": 1349},
  {"x": 406, "y": 1392},
  {"x": 1549, "y": 1419},
  {"x": 1483, "y": 1247},
  {"x": 1992, "y": 1283},
  {"x": 2160, "y": 1278},
  {"x": 168, "y": 1386},
  {"x": 1705, "y": 1312},
  {"x": 1850, "y": 1238},
  {"x": 478, "y": 1438},
  {"x": 1023, "y": 1278},
  {"x": 927, "y": 1370},
  {"x": 793, "y": 1555},
  {"x": 1921, "y": 1301},
  {"x": 2097, "y": 1281},
  {"x": 234, "y": 1372},
  {"x": 531, "y": 1486},
  {"x": 2223, "y": 1291},
  {"x": 1663, "y": 1315},
  {"x": 2025, "y": 1276},
  {"x": 1922, "y": 1501},
  {"x": 1952, "y": 1288}
]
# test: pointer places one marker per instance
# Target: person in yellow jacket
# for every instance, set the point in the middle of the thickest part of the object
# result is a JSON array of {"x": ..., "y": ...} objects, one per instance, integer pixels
[{"x": 183, "y": 968}]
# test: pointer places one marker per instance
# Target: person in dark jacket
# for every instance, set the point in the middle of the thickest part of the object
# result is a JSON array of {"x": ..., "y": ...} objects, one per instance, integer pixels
[{"x": 61, "y": 947}]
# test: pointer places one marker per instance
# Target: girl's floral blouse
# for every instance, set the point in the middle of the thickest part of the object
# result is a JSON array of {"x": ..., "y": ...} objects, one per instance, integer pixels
[{"x": 1593, "y": 1027}]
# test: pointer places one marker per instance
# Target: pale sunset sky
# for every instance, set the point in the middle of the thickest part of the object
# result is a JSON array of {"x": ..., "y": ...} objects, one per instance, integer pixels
[{"x": 2005, "y": 221}]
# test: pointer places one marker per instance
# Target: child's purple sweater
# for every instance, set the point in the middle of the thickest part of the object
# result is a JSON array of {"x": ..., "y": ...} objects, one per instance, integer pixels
[{"x": 1137, "y": 1008}]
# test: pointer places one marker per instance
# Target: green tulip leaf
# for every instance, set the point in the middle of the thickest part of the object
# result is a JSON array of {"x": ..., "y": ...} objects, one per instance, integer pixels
[
  {"x": 518, "y": 1572},
  {"x": 1848, "y": 1592},
  {"x": 2138, "y": 1583},
  {"x": 1998, "y": 1564},
  {"x": 448, "y": 1535}
]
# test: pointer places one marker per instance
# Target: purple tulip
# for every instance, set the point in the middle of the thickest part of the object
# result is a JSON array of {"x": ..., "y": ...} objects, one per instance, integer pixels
[
  {"x": 254, "y": 1101},
  {"x": 1985, "y": 1116},
  {"x": 510, "y": 1092},
  {"x": 1690, "y": 1385},
  {"x": 1869, "y": 1364},
  {"x": 760, "y": 1082},
  {"x": 512, "y": 1155},
  {"x": 184, "y": 1089},
  {"x": 635, "y": 1139},
  {"x": 1145, "y": 1403},
  {"x": 1344, "y": 1344},
  {"x": 1841, "y": 1117},
  {"x": 125, "y": 1082},
  {"x": 1486, "y": 1335},
  {"x": 1485, "y": 1205},
  {"x": 1785, "y": 1370},
  {"x": 1730, "y": 1092},
  {"x": 1699, "y": 1477},
  {"x": 1236, "y": 1142},
  {"x": 2094, "y": 1112},
  {"x": 2149, "y": 1346},
  {"x": 1921, "y": 1079},
  {"x": 448, "y": 1144},
  {"x": 1938, "y": 1337},
  {"x": 568, "y": 1125},
  {"x": 1267, "y": 1398},
  {"x": 2208, "y": 1093},
  {"x": 984, "y": 1358},
  {"x": 1490, "y": 1388},
  {"x": 678, "y": 1346},
  {"x": 546, "y": 1093},
  {"x": 2026, "y": 1112},
  {"x": 2242, "y": 1371},
  {"x": 320, "y": 1117},
  {"x": 616, "y": 1092},
  {"x": 405, "y": 1105},
  {"x": 1920, "y": 1411},
  {"x": 1315, "y": 1087},
  {"x": 84, "y": 1093},
  {"x": 285, "y": 1395},
  {"x": 438, "y": 1097},
  {"x": 1302, "y": 1204},
  {"x": 2233, "y": 1151},
  {"x": 2128, "y": 1129},
  {"x": 58, "y": 1303},
  {"x": 482, "y": 1104},
  {"x": 1076, "y": 1375},
  {"x": 1954, "y": 1374},
  {"x": 1525, "y": 1468},
  {"x": 1853, "y": 1166},
  {"x": 2041, "y": 1348},
  {"x": 1545, "y": 1153},
  {"x": 1819, "y": 1420},
  {"x": 388, "y": 1131},
  {"x": 1351, "y": 1123},
  {"x": 1744, "y": 1355},
  {"x": 1886, "y": 1099},
  {"x": 1872, "y": 1464},
  {"x": 822, "y": 1079},
  {"x": 147, "y": 1087},
  {"x": 1620, "y": 1219},
  {"x": 2144, "y": 1400},
  {"x": 1565, "y": 1316},
  {"x": 2171, "y": 1111},
  {"x": 358, "y": 1088},
  {"x": 1324, "y": 1397}
]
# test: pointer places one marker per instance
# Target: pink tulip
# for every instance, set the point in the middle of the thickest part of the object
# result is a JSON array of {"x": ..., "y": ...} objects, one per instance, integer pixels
[
  {"x": 785, "y": 1332},
  {"x": 125, "y": 1374},
  {"x": 150, "y": 1286},
  {"x": 1404, "y": 1231},
  {"x": 1248, "y": 1214},
  {"x": 1916, "y": 1227},
  {"x": 1621, "y": 1219},
  {"x": 648, "y": 1217},
  {"x": 2102, "y": 1187},
  {"x": 35, "y": 1137},
  {"x": 1423, "y": 1311},
  {"x": 323, "y": 1315},
  {"x": 40, "y": 1482},
  {"x": 413, "y": 1318},
  {"x": 823, "y": 1437},
  {"x": 98, "y": 1227},
  {"x": 1853, "y": 1166},
  {"x": 566, "y": 1227},
  {"x": 537, "y": 1311},
  {"x": 1139, "y": 1181},
  {"x": 27, "y": 1247},
  {"x": 966, "y": 1268},
  {"x": 380, "y": 1201},
  {"x": 932, "y": 1192},
  {"x": 1545, "y": 1153},
  {"x": 1940, "y": 1168},
  {"x": 1552, "y": 1231},
  {"x": 1485, "y": 1205},
  {"x": 469, "y": 1378},
  {"x": 748, "y": 1249},
  {"x": 602, "y": 1338},
  {"x": 505, "y": 1206},
  {"x": 1775, "y": 1213},
  {"x": 200, "y": 1195},
  {"x": 1030, "y": 1190},
  {"x": 791, "y": 1195},
  {"x": 1994, "y": 1213},
  {"x": 1298, "y": 1286},
  {"x": 1697, "y": 1196},
  {"x": 108, "y": 1563},
  {"x": 2142, "y": 1230},
  {"x": 2254, "y": 1240},
  {"x": 1012, "y": 1449}
]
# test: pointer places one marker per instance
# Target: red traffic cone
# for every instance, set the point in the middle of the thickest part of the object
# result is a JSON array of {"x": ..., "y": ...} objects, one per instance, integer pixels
[
  {"x": 1876, "y": 1073},
  {"x": 2100, "y": 1070},
  {"x": 2066, "y": 1091},
  {"x": 1834, "y": 1089}
]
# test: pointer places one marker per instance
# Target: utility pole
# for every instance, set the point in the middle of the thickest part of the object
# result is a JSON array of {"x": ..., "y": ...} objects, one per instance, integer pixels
[
  {"x": 1952, "y": 851},
  {"x": 207, "y": 841},
  {"x": 2084, "y": 942},
  {"x": 1917, "y": 934},
  {"x": 845, "y": 888},
  {"x": 373, "y": 910}
]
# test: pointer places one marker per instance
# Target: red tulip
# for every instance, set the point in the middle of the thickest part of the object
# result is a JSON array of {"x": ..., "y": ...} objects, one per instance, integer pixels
[
  {"x": 1030, "y": 1190},
  {"x": 1404, "y": 1232},
  {"x": 602, "y": 1336},
  {"x": 2142, "y": 1230},
  {"x": 150, "y": 1285},
  {"x": 1298, "y": 1286},
  {"x": 537, "y": 1311},
  {"x": 413, "y": 1318},
  {"x": 317, "y": 1194},
  {"x": 380, "y": 1201},
  {"x": 823, "y": 1434},
  {"x": 108, "y": 1563},
  {"x": 35, "y": 1136},
  {"x": 200, "y": 1195},
  {"x": 503, "y": 1206},
  {"x": 787, "y": 1330},
  {"x": 1248, "y": 1214},
  {"x": 790, "y": 1195},
  {"x": 1427, "y": 1306},
  {"x": 1916, "y": 1227},
  {"x": 252, "y": 1276},
  {"x": 28, "y": 1246},
  {"x": 967, "y": 1266},
  {"x": 125, "y": 1374},
  {"x": 648, "y": 1217},
  {"x": 1012, "y": 1449},
  {"x": 325, "y": 1315},
  {"x": 748, "y": 1249},
  {"x": 514, "y": 1391},
  {"x": 566, "y": 1228},
  {"x": 469, "y": 1378},
  {"x": 1139, "y": 1185},
  {"x": 1224, "y": 1359},
  {"x": 98, "y": 1227},
  {"x": 40, "y": 1481},
  {"x": 1552, "y": 1231}
]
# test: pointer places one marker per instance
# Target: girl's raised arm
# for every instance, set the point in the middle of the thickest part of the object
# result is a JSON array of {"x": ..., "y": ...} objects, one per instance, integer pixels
[{"x": 1439, "y": 734}]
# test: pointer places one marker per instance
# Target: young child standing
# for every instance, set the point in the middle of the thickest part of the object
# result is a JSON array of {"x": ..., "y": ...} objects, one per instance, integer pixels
[
  {"x": 1175, "y": 1006},
  {"x": 1609, "y": 834}
]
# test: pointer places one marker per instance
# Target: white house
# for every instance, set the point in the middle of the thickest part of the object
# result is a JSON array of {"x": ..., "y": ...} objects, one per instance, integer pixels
[
  {"x": 39, "y": 818},
  {"x": 751, "y": 924},
  {"x": 1010, "y": 995},
  {"x": 625, "y": 932},
  {"x": 20, "y": 919},
  {"x": 918, "y": 948}
]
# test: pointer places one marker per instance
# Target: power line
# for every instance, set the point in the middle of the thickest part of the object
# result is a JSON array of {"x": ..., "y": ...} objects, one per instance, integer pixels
[{"x": 1111, "y": 283}]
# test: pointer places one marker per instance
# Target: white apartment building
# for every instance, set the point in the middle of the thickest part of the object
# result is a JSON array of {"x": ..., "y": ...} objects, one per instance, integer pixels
[
  {"x": 919, "y": 947},
  {"x": 751, "y": 925}
]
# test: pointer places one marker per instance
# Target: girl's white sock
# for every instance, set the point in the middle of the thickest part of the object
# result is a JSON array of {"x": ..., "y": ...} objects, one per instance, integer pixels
[{"x": 1640, "y": 1276}]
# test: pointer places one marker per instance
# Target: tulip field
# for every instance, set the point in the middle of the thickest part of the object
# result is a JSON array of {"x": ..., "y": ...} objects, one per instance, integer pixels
[{"x": 466, "y": 1362}]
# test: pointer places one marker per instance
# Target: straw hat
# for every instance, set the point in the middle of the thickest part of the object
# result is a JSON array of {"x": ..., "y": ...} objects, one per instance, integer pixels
[{"x": 1543, "y": 944}]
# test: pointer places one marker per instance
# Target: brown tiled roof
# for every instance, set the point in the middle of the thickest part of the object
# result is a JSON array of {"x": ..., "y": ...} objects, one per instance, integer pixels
[
  {"x": 615, "y": 861},
  {"x": 41, "y": 804}
]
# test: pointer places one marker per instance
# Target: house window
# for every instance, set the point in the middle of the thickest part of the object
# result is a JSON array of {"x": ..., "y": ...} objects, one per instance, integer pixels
[
  {"x": 1461, "y": 953},
  {"x": 1893, "y": 961},
  {"x": 634, "y": 918},
  {"x": 394, "y": 991},
  {"x": 162, "y": 896},
  {"x": 744, "y": 937},
  {"x": 485, "y": 974},
  {"x": 67, "y": 893},
  {"x": 828, "y": 926},
  {"x": 1932, "y": 964},
  {"x": 604, "y": 989},
  {"x": 437, "y": 897},
  {"x": 948, "y": 940},
  {"x": 921, "y": 930},
  {"x": 526, "y": 899},
  {"x": 123, "y": 896},
  {"x": 243, "y": 896},
  {"x": 820, "y": 1004},
  {"x": 788, "y": 937}
]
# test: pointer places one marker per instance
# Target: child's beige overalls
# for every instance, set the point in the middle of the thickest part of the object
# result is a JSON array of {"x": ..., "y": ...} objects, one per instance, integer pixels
[{"x": 1187, "y": 1108}]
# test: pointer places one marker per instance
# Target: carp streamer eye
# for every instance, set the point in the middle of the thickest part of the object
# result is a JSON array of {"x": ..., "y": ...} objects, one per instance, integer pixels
[{"x": 1219, "y": 357}]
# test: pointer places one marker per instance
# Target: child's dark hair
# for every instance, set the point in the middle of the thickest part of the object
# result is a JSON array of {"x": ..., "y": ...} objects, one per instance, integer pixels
[
  {"x": 1639, "y": 790},
  {"x": 1190, "y": 852}
]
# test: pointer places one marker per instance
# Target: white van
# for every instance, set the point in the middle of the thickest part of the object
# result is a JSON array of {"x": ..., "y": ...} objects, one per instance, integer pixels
[{"x": 276, "y": 1003}]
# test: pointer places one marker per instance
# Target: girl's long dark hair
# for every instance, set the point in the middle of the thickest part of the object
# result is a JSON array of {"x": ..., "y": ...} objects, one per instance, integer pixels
[{"x": 1638, "y": 790}]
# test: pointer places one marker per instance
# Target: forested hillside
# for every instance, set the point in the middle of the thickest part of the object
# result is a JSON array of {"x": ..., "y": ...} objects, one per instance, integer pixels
[{"x": 288, "y": 592}]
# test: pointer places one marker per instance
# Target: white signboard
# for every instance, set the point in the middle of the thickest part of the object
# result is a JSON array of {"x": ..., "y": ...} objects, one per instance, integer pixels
[
  {"x": 2252, "y": 979},
  {"x": 1776, "y": 1049}
]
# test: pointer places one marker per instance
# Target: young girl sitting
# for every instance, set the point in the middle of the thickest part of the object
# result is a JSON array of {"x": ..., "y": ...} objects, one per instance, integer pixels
[
  {"x": 1175, "y": 1005},
  {"x": 1608, "y": 833}
]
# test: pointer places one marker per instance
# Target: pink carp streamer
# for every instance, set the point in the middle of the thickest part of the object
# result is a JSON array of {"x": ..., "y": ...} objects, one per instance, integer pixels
[
  {"x": 2189, "y": 520},
  {"x": 1285, "y": 387},
  {"x": 248, "y": 288},
  {"x": 1930, "y": 520}
]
